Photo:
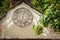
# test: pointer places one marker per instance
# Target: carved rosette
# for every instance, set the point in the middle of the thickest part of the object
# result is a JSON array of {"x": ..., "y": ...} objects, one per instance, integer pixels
[{"x": 22, "y": 17}]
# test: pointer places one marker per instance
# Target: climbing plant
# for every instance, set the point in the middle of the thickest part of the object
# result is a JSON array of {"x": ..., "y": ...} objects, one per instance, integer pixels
[
  {"x": 51, "y": 14},
  {"x": 4, "y": 5}
]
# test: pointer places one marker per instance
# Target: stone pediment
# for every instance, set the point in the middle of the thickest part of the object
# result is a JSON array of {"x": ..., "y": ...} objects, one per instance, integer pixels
[{"x": 20, "y": 20}]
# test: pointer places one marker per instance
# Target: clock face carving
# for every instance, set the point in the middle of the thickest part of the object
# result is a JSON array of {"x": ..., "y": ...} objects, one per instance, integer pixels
[{"x": 22, "y": 17}]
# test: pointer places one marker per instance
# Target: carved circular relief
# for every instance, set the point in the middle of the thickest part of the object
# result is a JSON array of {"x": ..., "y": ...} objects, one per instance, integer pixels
[{"x": 22, "y": 17}]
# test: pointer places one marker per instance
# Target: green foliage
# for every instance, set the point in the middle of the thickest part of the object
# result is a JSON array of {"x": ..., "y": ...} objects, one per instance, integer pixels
[
  {"x": 38, "y": 29},
  {"x": 4, "y": 4},
  {"x": 51, "y": 13}
]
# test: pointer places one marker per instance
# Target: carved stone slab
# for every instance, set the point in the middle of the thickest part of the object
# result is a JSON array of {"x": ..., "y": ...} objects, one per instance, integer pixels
[{"x": 19, "y": 22}]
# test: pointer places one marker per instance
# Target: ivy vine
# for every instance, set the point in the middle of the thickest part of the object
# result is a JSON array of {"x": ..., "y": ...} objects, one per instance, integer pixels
[
  {"x": 4, "y": 5},
  {"x": 51, "y": 14}
]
